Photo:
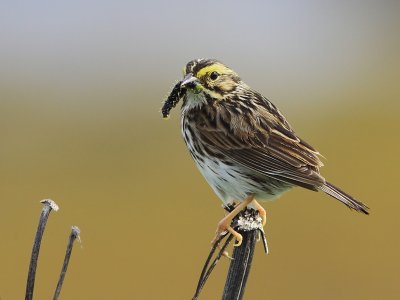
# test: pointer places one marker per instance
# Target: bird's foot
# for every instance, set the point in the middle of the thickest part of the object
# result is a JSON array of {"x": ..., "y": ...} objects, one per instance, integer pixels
[
  {"x": 225, "y": 224},
  {"x": 223, "y": 227},
  {"x": 261, "y": 211}
]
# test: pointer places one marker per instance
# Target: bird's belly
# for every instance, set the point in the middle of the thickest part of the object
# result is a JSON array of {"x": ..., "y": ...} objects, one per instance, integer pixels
[{"x": 232, "y": 182}]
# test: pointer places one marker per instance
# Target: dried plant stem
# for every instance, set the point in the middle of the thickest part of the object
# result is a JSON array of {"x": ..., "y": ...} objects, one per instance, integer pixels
[
  {"x": 72, "y": 237},
  {"x": 48, "y": 206},
  {"x": 207, "y": 269},
  {"x": 240, "y": 267}
]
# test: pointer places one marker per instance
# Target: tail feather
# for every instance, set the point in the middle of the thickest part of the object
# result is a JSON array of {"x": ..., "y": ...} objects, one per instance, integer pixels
[{"x": 337, "y": 193}]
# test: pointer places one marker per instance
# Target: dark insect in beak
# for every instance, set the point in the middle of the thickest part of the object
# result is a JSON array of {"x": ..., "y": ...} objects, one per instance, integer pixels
[{"x": 173, "y": 99}]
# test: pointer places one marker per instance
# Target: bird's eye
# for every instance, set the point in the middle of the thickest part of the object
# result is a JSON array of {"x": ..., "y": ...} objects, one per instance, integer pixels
[{"x": 214, "y": 75}]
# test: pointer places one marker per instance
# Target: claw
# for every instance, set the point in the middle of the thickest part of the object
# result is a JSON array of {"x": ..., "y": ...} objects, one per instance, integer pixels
[
  {"x": 237, "y": 236},
  {"x": 225, "y": 253},
  {"x": 261, "y": 212},
  {"x": 264, "y": 218},
  {"x": 238, "y": 244}
]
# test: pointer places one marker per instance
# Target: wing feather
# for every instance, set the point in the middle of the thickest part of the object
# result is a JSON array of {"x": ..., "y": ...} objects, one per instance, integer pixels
[{"x": 261, "y": 140}]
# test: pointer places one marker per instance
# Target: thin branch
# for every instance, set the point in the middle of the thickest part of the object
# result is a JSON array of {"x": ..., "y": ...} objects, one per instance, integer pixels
[
  {"x": 240, "y": 267},
  {"x": 49, "y": 205},
  {"x": 206, "y": 272},
  {"x": 201, "y": 282},
  {"x": 75, "y": 232}
]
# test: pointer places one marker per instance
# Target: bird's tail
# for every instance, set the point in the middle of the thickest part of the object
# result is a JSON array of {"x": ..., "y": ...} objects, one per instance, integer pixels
[{"x": 337, "y": 193}]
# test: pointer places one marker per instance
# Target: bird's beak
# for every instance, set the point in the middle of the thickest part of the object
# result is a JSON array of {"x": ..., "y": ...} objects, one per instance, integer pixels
[
  {"x": 188, "y": 81},
  {"x": 192, "y": 83}
]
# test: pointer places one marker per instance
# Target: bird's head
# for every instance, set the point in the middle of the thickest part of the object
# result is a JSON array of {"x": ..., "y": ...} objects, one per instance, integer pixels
[
  {"x": 203, "y": 78},
  {"x": 211, "y": 77}
]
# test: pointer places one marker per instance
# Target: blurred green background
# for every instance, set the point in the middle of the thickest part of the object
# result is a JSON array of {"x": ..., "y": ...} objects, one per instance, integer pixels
[{"x": 81, "y": 85}]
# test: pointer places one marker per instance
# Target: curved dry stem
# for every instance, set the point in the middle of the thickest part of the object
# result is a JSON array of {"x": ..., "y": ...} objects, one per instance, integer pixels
[
  {"x": 49, "y": 205},
  {"x": 75, "y": 232}
]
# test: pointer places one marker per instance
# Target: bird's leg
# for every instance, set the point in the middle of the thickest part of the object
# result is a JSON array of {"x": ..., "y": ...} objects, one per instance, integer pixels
[
  {"x": 261, "y": 212},
  {"x": 225, "y": 223}
]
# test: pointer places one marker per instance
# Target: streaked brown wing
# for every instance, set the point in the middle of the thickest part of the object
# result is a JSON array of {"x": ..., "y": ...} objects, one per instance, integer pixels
[{"x": 264, "y": 143}]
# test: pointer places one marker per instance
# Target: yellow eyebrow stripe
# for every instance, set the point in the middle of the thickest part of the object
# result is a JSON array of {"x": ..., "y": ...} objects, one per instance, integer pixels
[{"x": 221, "y": 69}]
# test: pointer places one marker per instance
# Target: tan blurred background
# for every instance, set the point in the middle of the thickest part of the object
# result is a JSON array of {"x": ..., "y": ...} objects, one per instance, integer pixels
[{"x": 81, "y": 85}]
